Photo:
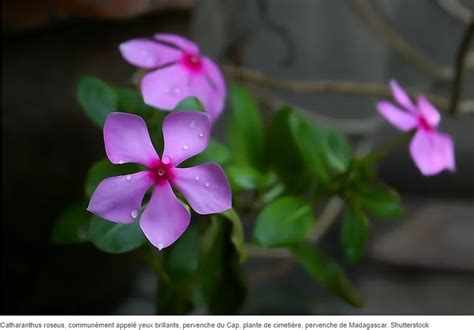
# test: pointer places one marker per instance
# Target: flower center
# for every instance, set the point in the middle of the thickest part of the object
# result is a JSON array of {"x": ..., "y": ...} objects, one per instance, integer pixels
[
  {"x": 162, "y": 171},
  {"x": 192, "y": 62},
  {"x": 424, "y": 125}
]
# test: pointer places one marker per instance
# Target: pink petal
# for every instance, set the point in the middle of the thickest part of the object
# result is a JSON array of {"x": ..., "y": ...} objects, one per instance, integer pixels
[
  {"x": 165, "y": 219},
  {"x": 127, "y": 140},
  {"x": 148, "y": 54},
  {"x": 119, "y": 198},
  {"x": 205, "y": 187},
  {"x": 428, "y": 111},
  {"x": 211, "y": 89},
  {"x": 182, "y": 43},
  {"x": 185, "y": 134},
  {"x": 399, "y": 118},
  {"x": 401, "y": 96},
  {"x": 165, "y": 88},
  {"x": 432, "y": 152}
]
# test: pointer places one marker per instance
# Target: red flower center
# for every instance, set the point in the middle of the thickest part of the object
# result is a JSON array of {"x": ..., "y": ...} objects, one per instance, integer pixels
[
  {"x": 192, "y": 62},
  {"x": 162, "y": 171},
  {"x": 424, "y": 125}
]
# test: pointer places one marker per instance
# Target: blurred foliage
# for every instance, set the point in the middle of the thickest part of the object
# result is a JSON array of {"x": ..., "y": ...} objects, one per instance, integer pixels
[{"x": 279, "y": 170}]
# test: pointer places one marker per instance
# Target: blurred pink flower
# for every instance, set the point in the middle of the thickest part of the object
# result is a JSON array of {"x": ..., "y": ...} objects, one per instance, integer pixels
[
  {"x": 165, "y": 218},
  {"x": 431, "y": 150},
  {"x": 178, "y": 71}
]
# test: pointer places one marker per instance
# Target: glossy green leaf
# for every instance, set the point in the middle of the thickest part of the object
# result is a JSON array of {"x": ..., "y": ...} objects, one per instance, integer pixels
[
  {"x": 245, "y": 128},
  {"x": 244, "y": 177},
  {"x": 311, "y": 147},
  {"x": 379, "y": 200},
  {"x": 326, "y": 272},
  {"x": 354, "y": 232},
  {"x": 114, "y": 237},
  {"x": 284, "y": 222},
  {"x": 222, "y": 285},
  {"x": 215, "y": 152},
  {"x": 337, "y": 153},
  {"x": 282, "y": 154},
  {"x": 96, "y": 98},
  {"x": 104, "y": 169},
  {"x": 72, "y": 225},
  {"x": 237, "y": 233},
  {"x": 190, "y": 104},
  {"x": 182, "y": 258}
]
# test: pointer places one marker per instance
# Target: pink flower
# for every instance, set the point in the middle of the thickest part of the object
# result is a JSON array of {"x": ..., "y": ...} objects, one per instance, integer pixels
[
  {"x": 178, "y": 71},
  {"x": 431, "y": 151},
  {"x": 165, "y": 218}
]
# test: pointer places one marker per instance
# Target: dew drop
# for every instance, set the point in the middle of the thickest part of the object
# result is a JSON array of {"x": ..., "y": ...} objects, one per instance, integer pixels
[
  {"x": 166, "y": 160},
  {"x": 128, "y": 178},
  {"x": 134, "y": 214},
  {"x": 177, "y": 90},
  {"x": 192, "y": 124},
  {"x": 207, "y": 184},
  {"x": 197, "y": 177},
  {"x": 201, "y": 135},
  {"x": 185, "y": 147}
]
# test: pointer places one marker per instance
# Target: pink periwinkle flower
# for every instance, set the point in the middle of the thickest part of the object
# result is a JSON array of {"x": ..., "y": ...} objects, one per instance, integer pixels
[
  {"x": 177, "y": 71},
  {"x": 165, "y": 218},
  {"x": 431, "y": 150}
]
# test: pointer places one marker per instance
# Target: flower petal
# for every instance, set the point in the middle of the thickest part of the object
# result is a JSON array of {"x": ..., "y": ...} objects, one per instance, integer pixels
[
  {"x": 211, "y": 89},
  {"x": 399, "y": 118},
  {"x": 148, "y": 54},
  {"x": 401, "y": 96},
  {"x": 165, "y": 219},
  {"x": 428, "y": 111},
  {"x": 165, "y": 88},
  {"x": 432, "y": 152},
  {"x": 182, "y": 43},
  {"x": 185, "y": 134},
  {"x": 205, "y": 187},
  {"x": 127, "y": 140},
  {"x": 119, "y": 198}
]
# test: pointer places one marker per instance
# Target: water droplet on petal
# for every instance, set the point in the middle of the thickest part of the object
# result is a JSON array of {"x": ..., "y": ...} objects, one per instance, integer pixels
[
  {"x": 128, "y": 178},
  {"x": 166, "y": 160},
  {"x": 134, "y": 214},
  {"x": 192, "y": 124},
  {"x": 185, "y": 147},
  {"x": 207, "y": 184},
  {"x": 160, "y": 246},
  {"x": 197, "y": 177},
  {"x": 177, "y": 90},
  {"x": 201, "y": 135}
]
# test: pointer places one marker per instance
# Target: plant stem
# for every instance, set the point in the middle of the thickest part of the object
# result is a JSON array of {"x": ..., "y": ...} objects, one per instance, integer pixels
[{"x": 380, "y": 153}]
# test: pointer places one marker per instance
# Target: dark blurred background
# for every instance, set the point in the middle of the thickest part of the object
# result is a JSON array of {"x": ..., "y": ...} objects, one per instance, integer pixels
[{"x": 422, "y": 264}]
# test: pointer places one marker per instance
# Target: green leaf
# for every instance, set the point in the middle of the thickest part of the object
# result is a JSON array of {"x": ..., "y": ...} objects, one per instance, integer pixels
[
  {"x": 190, "y": 104},
  {"x": 215, "y": 152},
  {"x": 96, "y": 98},
  {"x": 222, "y": 285},
  {"x": 354, "y": 232},
  {"x": 182, "y": 258},
  {"x": 72, "y": 225},
  {"x": 245, "y": 128},
  {"x": 337, "y": 153},
  {"x": 311, "y": 147},
  {"x": 327, "y": 272},
  {"x": 244, "y": 177},
  {"x": 237, "y": 233},
  {"x": 130, "y": 100},
  {"x": 282, "y": 154},
  {"x": 104, "y": 169},
  {"x": 284, "y": 222},
  {"x": 379, "y": 200},
  {"x": 114, "y": 237}
]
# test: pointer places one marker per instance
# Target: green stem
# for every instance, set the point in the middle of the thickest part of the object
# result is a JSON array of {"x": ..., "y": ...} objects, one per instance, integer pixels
[
  {"x": 380, "y": 153},
  {"x": 153, "y": 261}
]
